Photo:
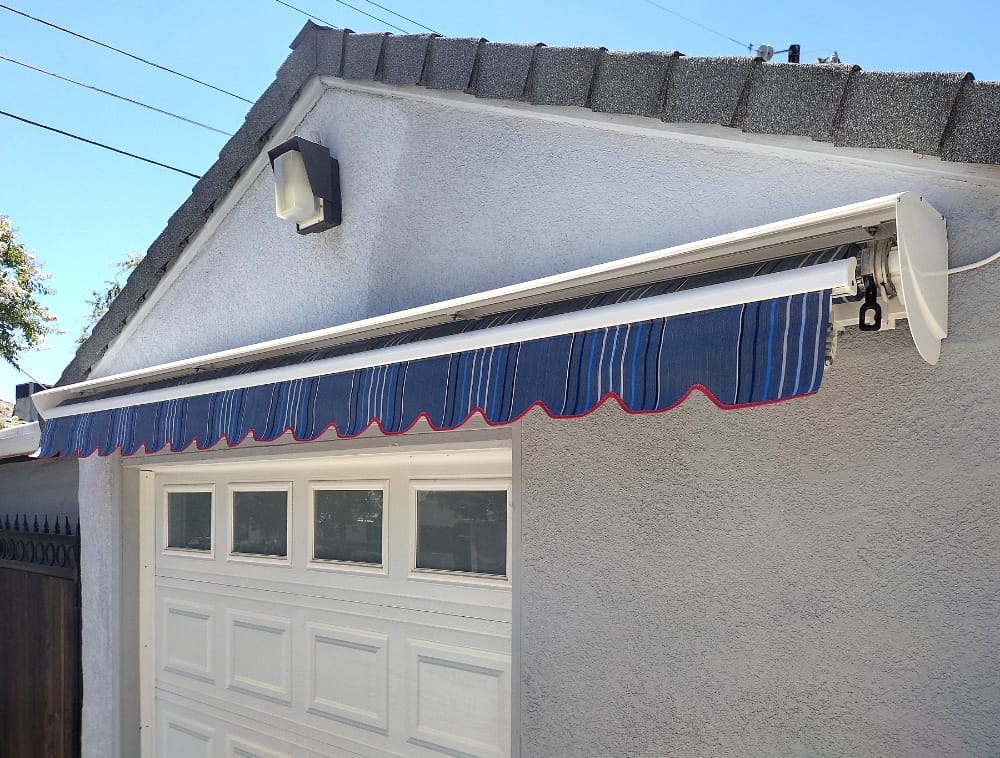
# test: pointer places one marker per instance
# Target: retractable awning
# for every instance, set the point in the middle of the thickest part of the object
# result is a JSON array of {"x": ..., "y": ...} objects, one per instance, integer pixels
[{"x": 753, "y": 332}]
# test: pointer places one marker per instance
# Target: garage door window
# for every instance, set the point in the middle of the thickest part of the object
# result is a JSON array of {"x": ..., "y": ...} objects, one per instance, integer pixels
[
  {"x": 462, "y": 531},
  {"x": 348, "y": 525},
  {"x": 260, "y": 523},
  {"x": 189, "y": 521}
]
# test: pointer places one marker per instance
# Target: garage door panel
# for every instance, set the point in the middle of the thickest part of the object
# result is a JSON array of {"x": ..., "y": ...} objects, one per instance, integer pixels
[
  {"x": 259, "y": 656},
  {"x": 187, "y": 644},
  {"x": 182, "y": 737},
  {"x": 242, "y": 748},
  {"x": 346, "y": 674},
  {"x": 490, "y": 601},
  {"x": 270, "y": 728},
  {"x": 348, "y": 671},
  {"x": 247, "y": 596},
  {"x": 458, "y": 699}
]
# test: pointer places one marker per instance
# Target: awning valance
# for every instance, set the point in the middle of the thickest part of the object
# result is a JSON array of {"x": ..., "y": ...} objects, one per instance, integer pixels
[{"x": 651, "y": 347}]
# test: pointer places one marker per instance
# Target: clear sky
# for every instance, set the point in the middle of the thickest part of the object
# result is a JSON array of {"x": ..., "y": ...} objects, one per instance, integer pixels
[{"x": 83, "y": 208}]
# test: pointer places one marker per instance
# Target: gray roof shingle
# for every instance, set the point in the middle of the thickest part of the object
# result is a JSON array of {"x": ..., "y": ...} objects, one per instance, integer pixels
[
  {"x": 630, "y": 82},
  {"x": 403, "y": 58},
  {"x": 362, "y": 53},
  {"x": 798, "y": 99},
  {"x": 946, "y": 114},
  {"x": 707, "y": 90},
  {"x": 563, "y": 75},
  {"x": 329, "y": 49},
  {"x": 906, "y": 111},
  {"x": 972, "y": 135},
  {"x": 450, "y": 62},
  {"x": 502, "y": 70}
]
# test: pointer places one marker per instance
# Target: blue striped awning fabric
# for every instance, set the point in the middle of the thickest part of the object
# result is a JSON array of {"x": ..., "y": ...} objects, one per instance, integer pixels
[{"x": 738, "y": 356}]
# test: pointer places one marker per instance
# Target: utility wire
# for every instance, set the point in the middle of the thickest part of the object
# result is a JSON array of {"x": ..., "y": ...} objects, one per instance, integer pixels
[
  {"x": 123, "y": 52},
  {"x": 747, "y": 45},
  {"x": 99, "y": 144},
  {"x": 317, "y": 18},
  {"x": 400, "y": 15},
  {"x": 112, "y": 94},
  {"x": 16, "y": 365},
  {"x": 977, "y": 264},
  {"x": 306, "y": 13},
  {"x": 363, "y": 13}
]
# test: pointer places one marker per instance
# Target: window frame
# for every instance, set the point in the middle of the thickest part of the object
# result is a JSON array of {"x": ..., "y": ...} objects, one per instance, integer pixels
[
  {"x": 459, "y": 484},
  {"x": 184, "y": 552},
  {"x": 351, "y": 567},
  {"x": 271, "y": 560}
]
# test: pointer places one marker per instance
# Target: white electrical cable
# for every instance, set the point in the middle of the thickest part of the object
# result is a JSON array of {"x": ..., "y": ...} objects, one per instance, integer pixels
[{"x": 977, "y": 264}]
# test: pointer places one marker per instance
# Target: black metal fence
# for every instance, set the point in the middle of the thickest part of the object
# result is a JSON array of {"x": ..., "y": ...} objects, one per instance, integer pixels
[
  {"x": 40, "y": 669},
  {"x": 51, "y": 549}
]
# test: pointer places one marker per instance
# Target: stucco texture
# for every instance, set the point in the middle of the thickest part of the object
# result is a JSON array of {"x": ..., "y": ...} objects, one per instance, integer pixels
[
  {"x": 100, "y": 578},
  {"x": 819, "y": 577}
]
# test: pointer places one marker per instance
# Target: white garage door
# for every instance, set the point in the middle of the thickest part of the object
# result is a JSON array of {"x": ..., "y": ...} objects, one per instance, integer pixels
[{"x": 337, "y": 607}]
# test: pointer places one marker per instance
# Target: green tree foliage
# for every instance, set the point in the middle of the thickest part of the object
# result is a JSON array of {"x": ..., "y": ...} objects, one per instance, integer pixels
[
  {"x": 24, "y": 321},
  {"x": 100, "y": 300}
]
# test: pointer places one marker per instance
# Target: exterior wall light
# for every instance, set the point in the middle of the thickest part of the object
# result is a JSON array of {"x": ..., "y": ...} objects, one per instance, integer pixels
[{"x": 306, "y": 185}]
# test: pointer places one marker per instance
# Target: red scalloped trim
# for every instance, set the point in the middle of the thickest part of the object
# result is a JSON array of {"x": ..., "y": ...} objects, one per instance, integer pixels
[{"x": 375, "y": 422}]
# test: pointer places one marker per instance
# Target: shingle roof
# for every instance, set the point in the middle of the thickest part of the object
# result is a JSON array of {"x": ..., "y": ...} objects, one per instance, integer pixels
[{"x": 942, "y": 114}]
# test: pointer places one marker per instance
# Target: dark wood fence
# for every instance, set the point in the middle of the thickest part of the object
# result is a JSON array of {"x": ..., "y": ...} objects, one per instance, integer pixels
[{"x": 41, "y": 683}]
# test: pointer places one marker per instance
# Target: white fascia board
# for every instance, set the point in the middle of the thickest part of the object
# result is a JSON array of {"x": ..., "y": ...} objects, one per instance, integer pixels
[
  {"x": 19, "y": 440},
  {"x": 838, "y": 276}
]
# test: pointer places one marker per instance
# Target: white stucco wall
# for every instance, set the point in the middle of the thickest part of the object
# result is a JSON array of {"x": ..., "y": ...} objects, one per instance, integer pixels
[
  {"x": 814, "y": 578},
  {"x": 101, "y": 578},
  {"x": 818, "y": 577}
]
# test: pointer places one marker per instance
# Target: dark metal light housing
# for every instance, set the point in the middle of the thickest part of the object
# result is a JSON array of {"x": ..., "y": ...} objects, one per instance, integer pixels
[{"x": 306, "y": 185}]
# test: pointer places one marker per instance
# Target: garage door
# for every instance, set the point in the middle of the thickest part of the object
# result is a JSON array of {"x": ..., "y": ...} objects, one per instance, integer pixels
[{"x": 349, "y": 606}]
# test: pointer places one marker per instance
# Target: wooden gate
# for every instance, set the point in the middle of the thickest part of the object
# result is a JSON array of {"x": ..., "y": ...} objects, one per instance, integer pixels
[{"x": 40, "y": 669}]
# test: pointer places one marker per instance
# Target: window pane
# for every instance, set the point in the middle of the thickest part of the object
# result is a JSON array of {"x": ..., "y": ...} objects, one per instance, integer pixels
[
  {"x": 462, "y": 531},
  {"x": 260, "y": 523},
  {"x": 348, "y": 526},
  {"x": 189, "y": 520}
]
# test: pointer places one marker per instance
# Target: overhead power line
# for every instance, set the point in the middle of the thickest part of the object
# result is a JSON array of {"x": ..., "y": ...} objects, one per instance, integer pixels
[
  {"x": 364, "y": 13},
  {"x": 348, "y": 5},
  {"x": 115, "y": 95},
  {"x": 20, "y": 368},
  {"x": 405, "y": 18},
  {"x": 307, "y": 14},
  {"x": 665, "y": 9},
  {"x": 123, "y": 52},
  {"x": 99, "y": 144}
]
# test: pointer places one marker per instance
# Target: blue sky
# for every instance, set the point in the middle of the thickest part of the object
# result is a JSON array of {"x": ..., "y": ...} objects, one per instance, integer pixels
[{"x": 82, "y": 208}]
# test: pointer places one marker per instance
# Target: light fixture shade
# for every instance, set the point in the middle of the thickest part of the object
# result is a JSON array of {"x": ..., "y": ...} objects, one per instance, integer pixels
[
  {"x": 306, "y": 185},
  {"x": 293, "y": 197}
]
